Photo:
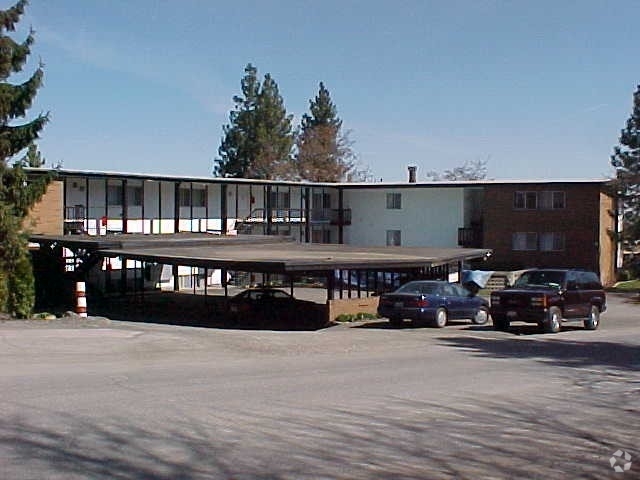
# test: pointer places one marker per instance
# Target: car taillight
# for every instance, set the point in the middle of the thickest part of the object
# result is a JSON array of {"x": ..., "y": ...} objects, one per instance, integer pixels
[
  {"x": 495, "y": 299},
  {"x": 539, "y": 301},
  {"x": 423, "y": 302}
]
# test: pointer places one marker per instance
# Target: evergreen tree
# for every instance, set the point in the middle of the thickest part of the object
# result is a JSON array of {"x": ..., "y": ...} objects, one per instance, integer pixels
[
  {"x": 324, "y": 152},
  {"x": 626, "y": 160},
  {"x": 18, "y": 192},
  {"x": 257, "y": 140}
]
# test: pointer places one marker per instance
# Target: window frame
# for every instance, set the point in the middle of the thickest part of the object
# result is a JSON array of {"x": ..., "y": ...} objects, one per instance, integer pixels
[
  {"x": 394, "y": 238},
  {"x": 528, "y": 236},
  {"x": 557, "y": 239},
  {"x": 557, "y": 200},
  {"x": 394, "y": 200},
  {"x": 114, "y": 195},
  {"x": 521, "y": 200}
]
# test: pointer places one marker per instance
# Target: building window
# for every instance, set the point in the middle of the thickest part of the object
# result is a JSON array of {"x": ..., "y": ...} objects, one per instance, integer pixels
[
  {"x": 199, "y": 197},
  {"x": 394, "y": 238},
  {"x": 552, "y": 242},
  {"x": 134, "y": 195},
  {"x": 280, "y": 200},
  {"x": 114, "y": 195},
  {"x": 394, "y": 201},
  {"x": 193, "y": 197},
  {"x": 525, "y": 200},
  {"x": 525, "y": 241},
  {"x": 552, "y": 200},
  {"x": 185, "y": 197}
]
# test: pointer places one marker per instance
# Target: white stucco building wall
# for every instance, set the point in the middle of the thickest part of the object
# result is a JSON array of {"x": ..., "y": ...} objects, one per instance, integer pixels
[{"x": 427, "y": 217}]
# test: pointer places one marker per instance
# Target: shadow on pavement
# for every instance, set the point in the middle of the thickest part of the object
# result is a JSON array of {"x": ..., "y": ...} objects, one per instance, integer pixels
[
  {"x": 401, "y": 438},
  {"x": 186, "y": 309},
  {"x": 555, "y": 351}
]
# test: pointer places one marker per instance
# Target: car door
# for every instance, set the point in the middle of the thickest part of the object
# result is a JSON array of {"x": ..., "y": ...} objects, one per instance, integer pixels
[
  {"x": 590, "y": 292},
  {"x": 468, "y": 302},
  {"x": 572, "y": 296},
  {"x": 455, "y": 304}
]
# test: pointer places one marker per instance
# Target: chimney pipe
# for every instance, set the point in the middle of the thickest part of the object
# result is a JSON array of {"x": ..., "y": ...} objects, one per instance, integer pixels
[{"x": 412, "y": 173}]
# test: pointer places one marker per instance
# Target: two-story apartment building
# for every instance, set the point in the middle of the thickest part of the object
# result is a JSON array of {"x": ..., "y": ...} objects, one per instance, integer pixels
[{"x": 525, "y": 223}]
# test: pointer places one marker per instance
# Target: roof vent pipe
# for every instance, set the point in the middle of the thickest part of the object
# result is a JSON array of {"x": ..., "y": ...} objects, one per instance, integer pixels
[{"x": 412, "y": 173}]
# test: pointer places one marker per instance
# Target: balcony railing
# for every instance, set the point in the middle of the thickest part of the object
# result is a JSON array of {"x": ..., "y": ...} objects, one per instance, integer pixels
[
  {"x": 331, "y": 216},
  {"x": 77, "y": 212},
  {"x": 296, "y": 215},
  {"x": 470, "y": 237}
]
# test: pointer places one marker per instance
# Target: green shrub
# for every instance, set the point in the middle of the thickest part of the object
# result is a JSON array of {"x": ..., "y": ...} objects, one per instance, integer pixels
[
  {"x": 354, "y": 317},
  {"x": 21, "y": 286}
]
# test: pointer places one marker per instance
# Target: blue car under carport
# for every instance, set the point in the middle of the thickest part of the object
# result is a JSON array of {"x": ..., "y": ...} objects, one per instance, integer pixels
[{"x": 432, "y": 302}]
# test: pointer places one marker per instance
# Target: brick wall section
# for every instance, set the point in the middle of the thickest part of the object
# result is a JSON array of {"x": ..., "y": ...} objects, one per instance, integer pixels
[
  {"x": 352, "y": 306},
  {"x": 47, "y": 216},
  {"x": 581, "y": 221},
  {"x": 607, "y": 240}
]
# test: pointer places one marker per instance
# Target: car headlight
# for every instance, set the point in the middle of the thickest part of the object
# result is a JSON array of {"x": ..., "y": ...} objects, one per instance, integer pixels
[{"x": 539, "y": 301}]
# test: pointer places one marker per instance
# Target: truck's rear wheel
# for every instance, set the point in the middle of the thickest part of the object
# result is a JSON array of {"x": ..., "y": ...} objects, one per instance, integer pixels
[{"x": 593, "y": 321}]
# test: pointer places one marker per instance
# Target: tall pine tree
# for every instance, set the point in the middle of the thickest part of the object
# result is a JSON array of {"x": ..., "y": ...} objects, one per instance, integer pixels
[
  {"x": 626, "y": 160},
  {"x": 258, "y": 139},
  {"x": 323, "y": 152},
  {"x": 18, "y": 192}
]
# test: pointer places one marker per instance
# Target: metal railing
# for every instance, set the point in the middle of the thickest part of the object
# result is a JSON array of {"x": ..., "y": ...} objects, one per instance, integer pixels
[
  {"x": 333, "y": 216},
  {"x": 470, "y": 237}
]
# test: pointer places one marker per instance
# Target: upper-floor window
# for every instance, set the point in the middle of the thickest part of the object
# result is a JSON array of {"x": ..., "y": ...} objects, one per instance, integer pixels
[
  {"x": 321, "y": 200},
  {"x": 280, "y": 200},
  {"x": 525, "y": 241},
  {"x": 196, "y": 197},
  {"x": 525, "y": 200},
  {"x": 546, "y": 200},
  {"x": 550, "y": 200},
  {"x": 394, "y": 238},
  {"x": 552, "y": 241},
  {"x": 114, "y": 195},
  {"x": 134, "y": 195},
  {"x": 394, "y": 201}
]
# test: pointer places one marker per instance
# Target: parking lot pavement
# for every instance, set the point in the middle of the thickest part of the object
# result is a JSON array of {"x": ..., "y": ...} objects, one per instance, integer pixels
[{"x": 100, "y": 399}]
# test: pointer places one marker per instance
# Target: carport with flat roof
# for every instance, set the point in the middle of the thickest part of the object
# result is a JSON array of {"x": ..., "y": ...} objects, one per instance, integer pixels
[{"x": 258, "y": 254}]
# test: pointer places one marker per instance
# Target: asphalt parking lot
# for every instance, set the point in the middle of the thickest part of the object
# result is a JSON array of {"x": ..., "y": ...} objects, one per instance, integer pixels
[{"x": 103, "y": 398}]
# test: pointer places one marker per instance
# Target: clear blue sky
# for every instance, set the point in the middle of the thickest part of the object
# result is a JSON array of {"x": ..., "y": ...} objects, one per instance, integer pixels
[{"x": 538, "y": 89}]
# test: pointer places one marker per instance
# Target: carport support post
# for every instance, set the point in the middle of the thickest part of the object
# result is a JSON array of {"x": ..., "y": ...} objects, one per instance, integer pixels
[
  {"x": 330, "y": 285},
  {"x": 123, "y": 276},
  {"x": 176, "y": 279},
  {"x": 223, "y": 279}
]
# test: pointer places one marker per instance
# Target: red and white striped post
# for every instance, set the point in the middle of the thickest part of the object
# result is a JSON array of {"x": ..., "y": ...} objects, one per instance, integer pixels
[{"x": 81, "y": 299}]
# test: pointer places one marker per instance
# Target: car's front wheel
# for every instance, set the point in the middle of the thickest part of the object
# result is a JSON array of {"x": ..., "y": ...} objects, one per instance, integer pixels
[
  {"x": 440, "y": 319},
  {"x": 593, "y": 321},
  {"x": 553, "y": 321},
  {"x": 481, "y": 316}
]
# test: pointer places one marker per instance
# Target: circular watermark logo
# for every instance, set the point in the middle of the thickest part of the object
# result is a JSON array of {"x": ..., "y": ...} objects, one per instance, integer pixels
[{"x": 620, "y": 461}]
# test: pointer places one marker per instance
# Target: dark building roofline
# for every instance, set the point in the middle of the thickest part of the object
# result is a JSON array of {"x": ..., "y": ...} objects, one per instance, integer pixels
[{"x": 344, "y": 185}]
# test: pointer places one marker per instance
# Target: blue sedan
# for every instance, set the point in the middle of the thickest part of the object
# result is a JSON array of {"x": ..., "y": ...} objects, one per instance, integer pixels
[{"x": 433, "y": 302}]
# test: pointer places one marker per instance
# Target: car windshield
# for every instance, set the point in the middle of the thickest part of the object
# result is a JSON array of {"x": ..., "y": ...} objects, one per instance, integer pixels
[
  {"x": 419, "y": 288},
  {"x": 541, "y": 278}
]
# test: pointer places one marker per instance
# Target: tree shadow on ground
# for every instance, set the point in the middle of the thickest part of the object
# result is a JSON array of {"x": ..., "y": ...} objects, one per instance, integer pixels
[
  {"x": 397, "y": 438},
  {"x": 554, "y": 351}
]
